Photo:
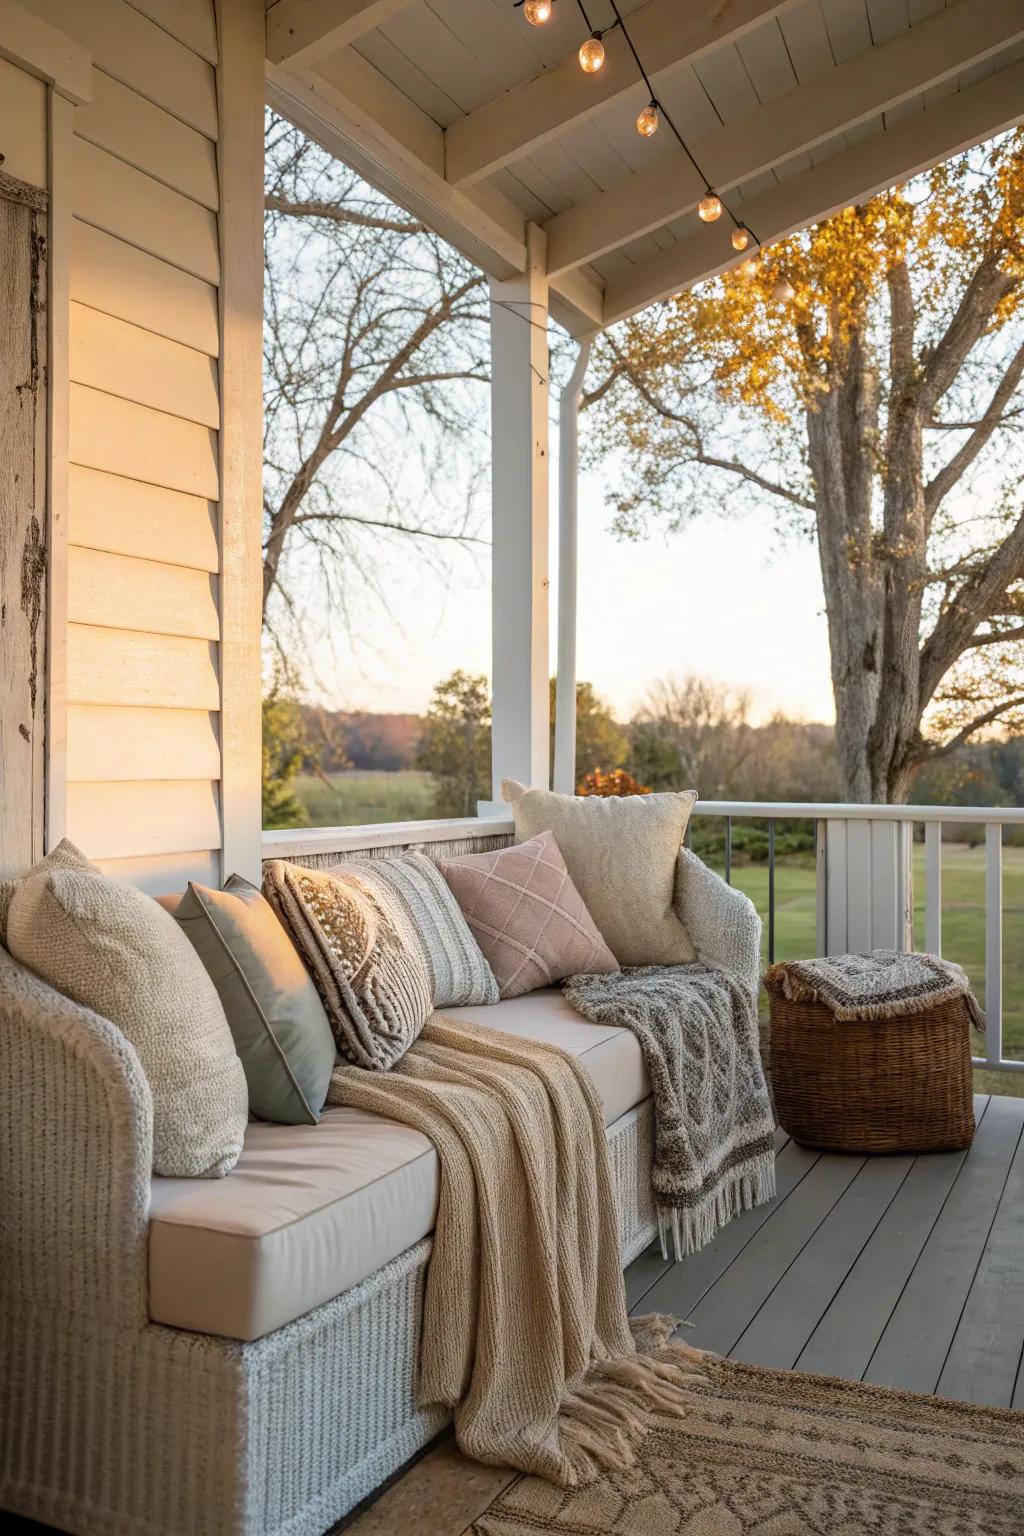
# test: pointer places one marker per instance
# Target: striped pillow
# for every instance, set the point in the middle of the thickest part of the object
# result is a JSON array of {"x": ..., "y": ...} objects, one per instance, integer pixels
[{"x": 459, "y": 974}]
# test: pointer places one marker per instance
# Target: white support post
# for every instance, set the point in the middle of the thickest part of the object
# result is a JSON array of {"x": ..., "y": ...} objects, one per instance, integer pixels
[
  {"x": 993, "y": 943},
  {"x": 933, "y": 887},
  {"x": 519, "y": 575},
  {"x": 568, "y": 557}
]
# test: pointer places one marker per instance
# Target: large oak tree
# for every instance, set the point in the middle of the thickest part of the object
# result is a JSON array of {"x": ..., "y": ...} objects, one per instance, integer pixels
[{"x": 878, "y": 410}]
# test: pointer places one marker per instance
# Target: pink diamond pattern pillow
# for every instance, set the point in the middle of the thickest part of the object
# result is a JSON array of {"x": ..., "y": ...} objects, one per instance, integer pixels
[{"x": 526, "y": 915}]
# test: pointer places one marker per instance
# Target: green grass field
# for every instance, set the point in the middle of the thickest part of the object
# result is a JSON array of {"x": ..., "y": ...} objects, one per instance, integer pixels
[
  {"x": 354, "y": 798},
  {"x": 360, "y": 799}
]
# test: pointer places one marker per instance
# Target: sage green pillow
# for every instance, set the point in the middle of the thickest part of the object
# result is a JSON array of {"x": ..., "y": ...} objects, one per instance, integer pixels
[{"x": 277, "y": 1020}]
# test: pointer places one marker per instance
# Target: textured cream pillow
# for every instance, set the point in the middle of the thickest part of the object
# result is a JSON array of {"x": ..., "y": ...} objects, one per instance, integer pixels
[
  {"x": 113, "y": 949},
  {"x": 64, "y": 856},
  {"x": 621, "y": 854}
]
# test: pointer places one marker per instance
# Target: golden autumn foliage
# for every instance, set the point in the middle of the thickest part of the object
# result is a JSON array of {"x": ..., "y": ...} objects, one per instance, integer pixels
[
  {"x": 879, "y": 408},
  {"x": 617, "y": 781}
]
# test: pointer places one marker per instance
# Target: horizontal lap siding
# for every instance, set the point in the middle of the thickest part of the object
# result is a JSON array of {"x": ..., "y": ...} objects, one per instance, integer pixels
[{"x": 143, "y": 752}]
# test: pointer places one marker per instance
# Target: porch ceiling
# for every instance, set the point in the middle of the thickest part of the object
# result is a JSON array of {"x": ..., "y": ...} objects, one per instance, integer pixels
[{"x": 478, "y": 123}]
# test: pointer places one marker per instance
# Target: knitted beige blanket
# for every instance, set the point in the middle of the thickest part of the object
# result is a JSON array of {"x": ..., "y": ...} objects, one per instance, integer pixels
[{"x": 525, "y": 1334}]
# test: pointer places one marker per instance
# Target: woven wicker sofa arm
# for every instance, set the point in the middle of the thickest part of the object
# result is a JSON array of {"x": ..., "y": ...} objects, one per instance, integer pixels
[
  {"x": 76, "y": 1123},
  {"x": 722, "y": 923}
]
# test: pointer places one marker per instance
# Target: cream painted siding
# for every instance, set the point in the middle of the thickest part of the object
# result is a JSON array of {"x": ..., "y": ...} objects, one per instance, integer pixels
[{"x": 143, "y": 638}]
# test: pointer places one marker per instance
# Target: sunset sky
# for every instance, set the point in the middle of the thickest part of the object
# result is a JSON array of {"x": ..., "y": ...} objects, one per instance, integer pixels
[{"x": 729, "y": 599}]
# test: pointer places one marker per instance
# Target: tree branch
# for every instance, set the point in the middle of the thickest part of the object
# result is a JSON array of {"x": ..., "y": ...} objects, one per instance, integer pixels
[
  {"x": 943, "y": 482},
  {"x": 976, "y": 600},
  {"x": 338, "y": 213},
  {"x": 977, "y": 724}
]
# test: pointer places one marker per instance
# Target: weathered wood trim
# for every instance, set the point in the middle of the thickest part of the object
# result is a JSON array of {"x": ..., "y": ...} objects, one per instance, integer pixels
[
  {"x": 23, "y": 455},
  {"x": 14, "y": 191},
  {"x": 240, "y": 83},
  {"x": 61, "y": 132}
]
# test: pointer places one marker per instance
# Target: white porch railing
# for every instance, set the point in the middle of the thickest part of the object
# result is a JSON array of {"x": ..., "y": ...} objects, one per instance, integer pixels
[
  {"x": 863, "y": 873},
  {"x": 864, "y": 881}
]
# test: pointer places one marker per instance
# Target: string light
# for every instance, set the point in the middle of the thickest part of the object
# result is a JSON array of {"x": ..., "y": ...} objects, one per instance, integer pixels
[
  {"x": 647, "y": 122},
  {"x": 710, "y": 207},
  {"x": 592, "y": 54}
]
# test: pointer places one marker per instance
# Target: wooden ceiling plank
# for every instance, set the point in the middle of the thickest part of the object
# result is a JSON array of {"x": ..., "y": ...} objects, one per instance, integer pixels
[
  {"x": 874, "y": 81},
  {"x": 885, "y": 160},
  {"x": 299, "y": 31},
  {"x": 513, "y": 124}
]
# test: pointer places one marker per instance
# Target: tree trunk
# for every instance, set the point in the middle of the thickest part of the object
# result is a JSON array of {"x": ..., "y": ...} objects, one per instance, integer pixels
[{"x": 842, "y": 434}]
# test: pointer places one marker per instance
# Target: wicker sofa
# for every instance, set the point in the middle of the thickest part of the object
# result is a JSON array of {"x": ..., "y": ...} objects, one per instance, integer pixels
[{"x": 234, "y": 1355}]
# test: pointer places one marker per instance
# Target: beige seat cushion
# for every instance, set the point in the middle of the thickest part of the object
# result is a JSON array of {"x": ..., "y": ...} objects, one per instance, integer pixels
[{"x": 309, "y": 1211}]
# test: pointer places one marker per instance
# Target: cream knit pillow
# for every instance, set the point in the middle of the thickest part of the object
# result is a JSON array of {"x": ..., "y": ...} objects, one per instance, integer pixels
[
  {"x": 621, "y": 854},
  {"x": 114, "y": 950}
]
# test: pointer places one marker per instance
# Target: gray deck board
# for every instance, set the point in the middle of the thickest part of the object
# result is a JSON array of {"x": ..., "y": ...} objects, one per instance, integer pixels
[
  {"x": 912, "y": 1350},
  {"x": 845, "y": 1339},
  {"x": 720, "y": 1317},
  {"x": 902, "y": 1271},
  {"x": 780, "y": 1329},
  {"x": 679, "y": 1287},
  {"x": 984, "y": 1357}
]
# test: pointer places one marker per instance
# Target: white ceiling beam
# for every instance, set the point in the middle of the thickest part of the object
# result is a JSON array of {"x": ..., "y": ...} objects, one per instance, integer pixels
[
  {"x": 349, "y": 108},
  {"x": 299, "y": 31},
  {"x": 953, "y": 124},
  {"x": 871, "y": 82},
  {"x": 667, "y": 33}
]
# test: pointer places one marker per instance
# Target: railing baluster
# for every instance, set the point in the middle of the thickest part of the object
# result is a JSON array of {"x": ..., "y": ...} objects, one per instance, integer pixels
[
  {"x": 933, "y": 887},
  {"x": 771, "y": 890},
  {"x": 993, "y": 943},
  {"x": 688, "y": 834},
  {"x": 728, "y": 850}
]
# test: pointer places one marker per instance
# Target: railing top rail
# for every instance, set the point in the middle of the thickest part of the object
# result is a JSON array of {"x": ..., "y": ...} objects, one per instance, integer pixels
[
  {"x": 1005, "y": 815},
  {"x": 298, "y": 842}
]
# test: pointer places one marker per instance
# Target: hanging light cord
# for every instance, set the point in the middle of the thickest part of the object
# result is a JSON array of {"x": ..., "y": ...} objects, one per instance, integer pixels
[{"x": 659, "y": 106}]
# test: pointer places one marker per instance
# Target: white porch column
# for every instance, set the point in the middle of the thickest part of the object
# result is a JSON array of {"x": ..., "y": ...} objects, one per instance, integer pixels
[
  {"x": 564, "y": 777},
  {"x": 519, "y": 471}
]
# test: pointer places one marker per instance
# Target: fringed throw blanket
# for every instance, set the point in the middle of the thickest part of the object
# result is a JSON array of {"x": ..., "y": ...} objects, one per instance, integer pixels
[
  {"x": 882, "y": 984},
  {"x": 525, "y": 1334},
  {"x": 714, "y": 1133}
]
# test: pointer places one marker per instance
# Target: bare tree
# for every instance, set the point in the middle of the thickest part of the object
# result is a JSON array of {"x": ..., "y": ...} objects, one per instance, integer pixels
[
  {"x": 878, "y": 409},
  {"x": 375, "y": 348}
]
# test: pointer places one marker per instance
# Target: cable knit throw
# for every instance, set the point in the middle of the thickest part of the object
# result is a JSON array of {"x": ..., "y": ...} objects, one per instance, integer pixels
[
  {"x": 697, "y": 1026},
  {"x": 525, "y": 1334}
]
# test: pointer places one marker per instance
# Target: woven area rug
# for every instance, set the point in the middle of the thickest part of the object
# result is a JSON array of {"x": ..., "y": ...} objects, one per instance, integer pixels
[{"x": 778, "y": 1453}]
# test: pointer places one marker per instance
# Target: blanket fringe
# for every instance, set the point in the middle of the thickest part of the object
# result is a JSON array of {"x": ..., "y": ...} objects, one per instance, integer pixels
[
  {"x": 602, "y": 1419},
  {"x": 692, "y": 1229}
]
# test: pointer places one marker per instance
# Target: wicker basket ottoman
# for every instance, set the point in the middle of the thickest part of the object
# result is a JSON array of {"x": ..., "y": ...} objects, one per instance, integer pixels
[{"x": 880, "y": 1085}]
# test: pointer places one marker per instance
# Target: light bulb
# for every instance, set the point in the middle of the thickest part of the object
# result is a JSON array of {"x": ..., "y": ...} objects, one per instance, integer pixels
[
  {"x": 537, "y": 12},
  {"x": 710, "y": 207},
  {"x": 748, "y": 269},
  {"x": 740, "y": 238},
  {"x": 783, "y": 291},
  {"x": 592, "y": 55},
  {"x": 647, "y": 122}
]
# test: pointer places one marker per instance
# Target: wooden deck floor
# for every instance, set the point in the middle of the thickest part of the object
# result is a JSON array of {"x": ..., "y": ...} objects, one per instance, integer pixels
[{"x": 903, "y": 1271}]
